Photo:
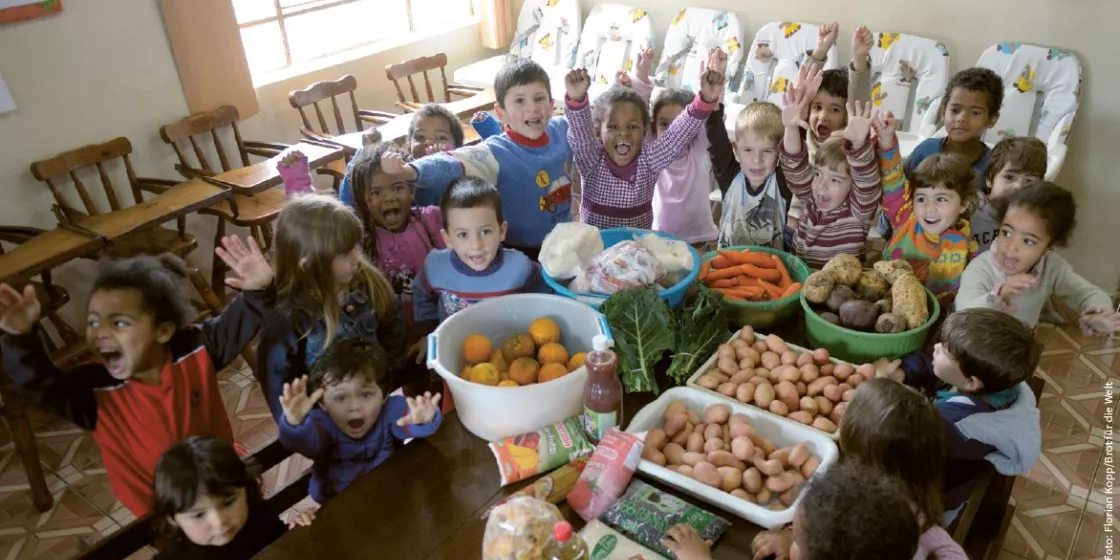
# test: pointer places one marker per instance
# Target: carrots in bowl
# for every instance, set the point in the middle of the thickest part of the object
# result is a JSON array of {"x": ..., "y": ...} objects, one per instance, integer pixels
[{"x": 747, "y": 276}]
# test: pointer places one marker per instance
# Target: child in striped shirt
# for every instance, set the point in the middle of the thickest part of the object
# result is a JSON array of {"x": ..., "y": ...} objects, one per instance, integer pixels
[{"x": 841, "y": 190}]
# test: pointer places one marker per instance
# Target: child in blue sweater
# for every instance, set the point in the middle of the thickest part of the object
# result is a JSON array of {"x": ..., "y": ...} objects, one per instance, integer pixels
[
  {"x": 356, "y": 425},
  {"x": 530, "y": 163}
]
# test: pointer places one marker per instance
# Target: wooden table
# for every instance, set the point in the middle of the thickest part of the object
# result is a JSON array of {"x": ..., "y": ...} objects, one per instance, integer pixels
[
  {"x": 262, "y": 175},
  {"x": 179, "y": 200},
  {"x": 46, "y": 251},
  {"x": 397, "y": 129}
]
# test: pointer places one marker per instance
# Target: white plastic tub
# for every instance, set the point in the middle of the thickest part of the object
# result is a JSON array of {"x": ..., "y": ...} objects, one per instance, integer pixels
[
  {"x": 493, "y": 413},
  {"x": 783, "y": 432}
]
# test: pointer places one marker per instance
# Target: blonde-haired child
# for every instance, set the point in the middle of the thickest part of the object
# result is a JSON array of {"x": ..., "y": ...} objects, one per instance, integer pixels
[{"x": 326, "y": 290}]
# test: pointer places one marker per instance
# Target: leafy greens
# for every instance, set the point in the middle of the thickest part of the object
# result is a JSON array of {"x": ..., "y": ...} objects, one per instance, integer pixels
[
  {"x": 699, "y": 329},
  {"x": 642, "y": 328}
]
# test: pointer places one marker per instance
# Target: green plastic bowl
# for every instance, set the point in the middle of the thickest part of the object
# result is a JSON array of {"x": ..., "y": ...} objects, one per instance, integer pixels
[
  {"x": 764, "y": 314},
  {"x": 861, "y": 347}
]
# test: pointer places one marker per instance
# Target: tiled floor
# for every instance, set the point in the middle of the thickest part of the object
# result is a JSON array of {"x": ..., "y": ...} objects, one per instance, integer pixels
[{"x": 1059, "y": 504}]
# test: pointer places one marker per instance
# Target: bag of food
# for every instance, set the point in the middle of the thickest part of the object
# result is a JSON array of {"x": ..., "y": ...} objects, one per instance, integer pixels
[
  {"x": 645, "y": 513},
  {"x": 526, "y": 455},
  {"x": 625, "y": 265},
  {"x": 608, "y": 471},
  {"x": 518, "y": 529},
  {"x": 674, "y": 255},
  {"x": 569, "y": 248},
  {"x": 552, "y": 488},
  {"x": 605, "y": 543}
]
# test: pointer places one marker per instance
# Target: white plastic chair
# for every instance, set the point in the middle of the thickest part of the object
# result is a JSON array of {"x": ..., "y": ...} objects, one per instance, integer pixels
[
  {"x": 613, "y": 35},
  {"x": 692, "y": 33},
  {"x": 774, "y": 57},
  {"x": 909, "y": 74}
]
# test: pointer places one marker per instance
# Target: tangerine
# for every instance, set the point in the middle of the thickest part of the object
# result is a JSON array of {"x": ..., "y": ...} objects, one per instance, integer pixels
[
  {"x": 552, "y": 353},
  {"x": 518, "y": 346},
  {"x": 577, "y": 361},
  {"x": 477, "y": 349},
  {"x": 524, "y": 370},
  {"x": 544, "y": 331},
  {"x": 485, "y": 374},
  {"x": 499, "y": 361},
  {"x": 508, "y": 383},
  {"x": 552, "y": 371},
  {"x": 466, "y": 372}
]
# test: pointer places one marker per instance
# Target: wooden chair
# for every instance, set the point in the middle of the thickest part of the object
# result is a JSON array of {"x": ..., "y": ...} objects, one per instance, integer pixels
[
  {"x": 307, "y": 99},
  {"x": 422, "y": 65}
]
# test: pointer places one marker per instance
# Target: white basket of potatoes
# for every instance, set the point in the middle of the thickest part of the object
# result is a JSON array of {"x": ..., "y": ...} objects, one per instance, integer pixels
[{"x": 747, "y": 462}]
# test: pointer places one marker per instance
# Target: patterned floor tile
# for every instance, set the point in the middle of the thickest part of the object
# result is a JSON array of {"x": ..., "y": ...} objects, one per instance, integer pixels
[
  {"x": 1093, "y": 540},
  {"x": 1078, "y": 385},
  {"x": 66, "y": 530},
  {"x": 1069, "y": 460},
  {"x": 1045, "y": 521}
]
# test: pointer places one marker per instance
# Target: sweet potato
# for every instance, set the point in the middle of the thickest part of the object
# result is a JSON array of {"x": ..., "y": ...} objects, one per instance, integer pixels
[
  {"x": 909, "y": 298},
  {"x": 844, "y": 269},
  {"x": 872, "y": 286},
  {"x": 892, "y": 269}
]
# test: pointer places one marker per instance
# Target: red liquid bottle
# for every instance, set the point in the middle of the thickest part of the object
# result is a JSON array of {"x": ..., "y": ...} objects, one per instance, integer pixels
[{"x": 602, "y": 396}]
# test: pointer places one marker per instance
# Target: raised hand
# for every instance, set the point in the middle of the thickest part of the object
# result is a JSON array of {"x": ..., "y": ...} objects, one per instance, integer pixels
[
  {"x": 370, "y": 136},
  {"x": 421, "y": 409},
  {"x": 393, "y": 164},
  {"x": 295, "y": 402},
  {"x": 885, "y": 126},
  {"x": 18, "y": 311},
  {"x": 290, "y": 157},
  {"x": 577, "y": 82},
  {"x": 859, "y": 122},
  {"x": 711, "y": 84},
  {"x": 799, "y": 95},
  {"x": 685, "y": 542},
  {"x": 248, "y": 263},
  {"x": 826, "y": 37},
  {"x": 717, "y": 61},
  {"x": 862, "y": 40},
  {"x": 1016, "y": 285},
  {"x": 645, "y": 63},
  {"x": 623, "y": 79},
  {"x": 1100, "y": 321}
]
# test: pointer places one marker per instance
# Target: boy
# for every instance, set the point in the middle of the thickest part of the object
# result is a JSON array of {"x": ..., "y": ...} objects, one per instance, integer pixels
[
  {"x": 977, "y": 377},
  {"x": 357, "y": 424},
  {"x": 475, "y": 266},
  {"x": 1013, "y": 163},
  {"x": 530, "y": 163},
  {"x": 841, "y": 190}
]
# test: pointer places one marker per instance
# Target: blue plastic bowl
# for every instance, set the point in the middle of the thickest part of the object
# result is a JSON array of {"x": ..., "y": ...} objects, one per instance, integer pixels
[{"x": 674, "y": 295}]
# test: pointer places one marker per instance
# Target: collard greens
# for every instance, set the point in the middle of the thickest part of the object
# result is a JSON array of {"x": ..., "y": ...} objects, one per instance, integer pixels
[
  {"x": 699, "y": 330},
  {"x": 642, "y": 327}
]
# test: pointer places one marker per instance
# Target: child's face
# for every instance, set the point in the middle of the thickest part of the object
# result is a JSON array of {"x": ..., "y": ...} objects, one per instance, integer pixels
[
  {"x": 947, "y": 369},
  {"x": 966, "y": 116},
  {"x": 214, "y": 520},
  {"x": 388, "y": 201},
  {"x": 124, "y": 334},
  {"x": 354, "y": 405},
  {"x": 665, "y": 117},
  {"x": 527, "y": 109},
  {"x": 622, "y": 132},
  {"x": 345, "y": 265},
  {"x": 433, "y": 130},
  {"x": 1023, "y": 239},
  {"x": 827, "y": 114},
  {"x": 937, "y": 209},
  {"x": 475, "y": 235},
  {"x": 1007, "y": 180},
  {"x": 757, "y": 155},
  {"x": 831, "y": 188}
]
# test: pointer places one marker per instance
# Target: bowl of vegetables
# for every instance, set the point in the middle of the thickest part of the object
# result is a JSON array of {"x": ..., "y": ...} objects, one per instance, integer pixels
[
  {"x": 861, "y": 315},
  {"x": 760, "y": 285}
]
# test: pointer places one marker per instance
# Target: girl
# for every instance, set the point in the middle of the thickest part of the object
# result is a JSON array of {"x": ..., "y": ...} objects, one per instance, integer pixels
[
  {"x": 209, "y": 504},
  {"x": 928, "y": 209},
  {"x": 618, "y": 175},
  {"x": 1021, "y": 271},
  {"x": 680, "y": 197},
  {"x": 326, "y": 290}
]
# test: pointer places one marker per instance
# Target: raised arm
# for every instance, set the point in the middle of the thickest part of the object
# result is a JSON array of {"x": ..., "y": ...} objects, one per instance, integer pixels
[
  {"x": 720, "y": 149},
  {"x": 417, "y": 417},
  {"x": 278, "y": 359},
  {"x": 826, "y": 38},
  {"x": 792, "y": 155},
  {"x": 438, "y": 170},
  {"x": 859, "y": 73},
  {"x": 896, "y": 198},
  {"x": 300, "y": 431},
  {"x": 663, "y": 150},
  {"x": 586, "y": 145},
  {"x": 866, "y": 186},
  {"x": 226, "y": 335}
]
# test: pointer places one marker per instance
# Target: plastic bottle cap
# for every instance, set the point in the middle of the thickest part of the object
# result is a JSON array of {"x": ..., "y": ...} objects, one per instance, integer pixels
[
  {"x": 600, "y": 343},
  {"x": 562, "y": 531}
]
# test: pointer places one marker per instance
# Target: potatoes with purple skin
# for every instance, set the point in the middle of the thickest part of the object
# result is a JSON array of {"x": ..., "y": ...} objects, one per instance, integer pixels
[
  {"x": 858, "y": 314},
  {"x": 839, "y": 295},
  {"x": 830, "y": 317}
]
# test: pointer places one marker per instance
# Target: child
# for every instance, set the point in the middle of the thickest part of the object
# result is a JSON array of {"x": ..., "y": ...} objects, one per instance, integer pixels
[
  {"x": 155, "y": 378},
  {"x": 840, "y": 193},
  {"x": 928, "y": 209},
  {"x": 1022, "y": 271},
  {"x": 533, "y": 150},
  {"x": 977, "y": 377},
  {"x": 680, "y": 197},
  {"x": 618, "y": 172},
  {"x": 357, "y": 424},
  {"x": 326, "y": 291},
  {"x": 210, "y": 505},
  {"x": 475, "y": 266},
  {"x": 1014, "y": 162}
]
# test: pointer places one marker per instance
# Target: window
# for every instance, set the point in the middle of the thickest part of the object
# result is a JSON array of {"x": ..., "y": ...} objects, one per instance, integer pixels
[{"x": 279, "y": 33}]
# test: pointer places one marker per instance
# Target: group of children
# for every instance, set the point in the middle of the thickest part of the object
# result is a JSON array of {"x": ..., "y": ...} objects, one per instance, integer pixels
[{"x": 416, "y": 235}]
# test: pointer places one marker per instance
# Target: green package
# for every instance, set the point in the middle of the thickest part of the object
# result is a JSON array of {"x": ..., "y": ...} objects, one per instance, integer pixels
[{"x": 644, "y": 514}]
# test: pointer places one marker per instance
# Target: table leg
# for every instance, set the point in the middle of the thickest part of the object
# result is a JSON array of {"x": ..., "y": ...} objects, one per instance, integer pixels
[{"x": 15, "y": 412}]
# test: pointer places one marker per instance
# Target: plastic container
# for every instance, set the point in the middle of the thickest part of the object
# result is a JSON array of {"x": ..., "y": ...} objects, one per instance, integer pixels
[
  {"x": 781, "y": 431},
  {"x": 602, "y": 396},
  {"x": 674, "y": 295},
  {"x": 765, "y": 314},
  {"x": 564, "y": 544},
  {"x": 493, "y": 413},
  {"x": 862, "y": 347}
]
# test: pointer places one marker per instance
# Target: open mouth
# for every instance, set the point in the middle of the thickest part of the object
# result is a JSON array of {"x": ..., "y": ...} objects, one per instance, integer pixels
[
  {"x": 356, "y": 424},
  {"x": 1009, "y": 264},
  {"x": 534, "y": 123},
  {"x": 479, "y": 261},
  {"x": 113, "y": 360},
  {"x": 822, "y": 132},
  {"x": 931, "y": 221},
  {"x": 824, "y": 202},
  {"x": 392, "y": 214},
  {"x": 623, "y": 148}
]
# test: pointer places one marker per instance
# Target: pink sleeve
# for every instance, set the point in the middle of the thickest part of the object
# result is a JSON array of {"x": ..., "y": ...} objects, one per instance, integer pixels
[
  {"x": 586, "y": 146},
  {"x": 434, "y": 220},
  {"x": 662, "y": 151},
  {"x": 937, "y": 542}
]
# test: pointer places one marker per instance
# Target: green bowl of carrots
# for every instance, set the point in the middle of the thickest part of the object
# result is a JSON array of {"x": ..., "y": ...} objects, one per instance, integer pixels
[{"x": 761, "y": 286}]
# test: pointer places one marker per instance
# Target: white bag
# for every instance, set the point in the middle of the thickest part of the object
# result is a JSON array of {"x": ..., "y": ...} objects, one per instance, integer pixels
[{"x": 568, "y": 249}]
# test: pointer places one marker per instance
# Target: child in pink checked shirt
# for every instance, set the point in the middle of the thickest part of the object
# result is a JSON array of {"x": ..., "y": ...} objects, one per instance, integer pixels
[{"x": 619, "y": 176}]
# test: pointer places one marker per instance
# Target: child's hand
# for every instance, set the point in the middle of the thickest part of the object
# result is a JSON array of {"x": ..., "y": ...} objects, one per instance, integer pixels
[
  {"x": 859, "y": 122},
  {"x": 686, "y": 543},
  {"x": 577, "y": 82},
  {"x": 717, "y": 61},
  {"x": 711, "y": 84},
  {"x": 393, "y": 164},
  {"x": 862, "y": 40},
  {"x": 290, "y": 157},
  {"x": 248, "y": 263},
  {"x": 371, "y": 136},
  {"x": 1100, "y": 321},
  {"x": 421, "y": 409},
  {"x": 799, "y": 95},
  {"x": 645, "y": 63},
  {"x": 826, "y": 37},
  {"x": 18, "y": 312},
  {"x": 772, "y": 543},
  {"x": 295, "y": 402},
  {"x": 302, "y": 518},
  {"x": 885, "y": 126},
  {"x": 1016, "y": 285},
  {"x": 623, "y": 79}
]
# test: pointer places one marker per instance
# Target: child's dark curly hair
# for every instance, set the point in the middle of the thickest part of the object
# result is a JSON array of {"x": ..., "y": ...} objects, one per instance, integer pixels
[
  {"x": 434, "y": 110},
  {"x": 670, "y": 96},
  {"x": 348, "y": 358},
  {"x": 618, "y": 95},
  {"x": 1053, "y": 204},
  {"x": 160, "y": 280},
  {"x": 365, "y": 165},
  {"x": 835, "y": 83},
  {"x": 200, "y": 466},
  {"x": 975, "y": 79}
]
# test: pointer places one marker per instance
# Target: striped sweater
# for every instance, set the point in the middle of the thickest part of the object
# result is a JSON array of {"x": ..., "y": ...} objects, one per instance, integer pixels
[{"x": 842, "y": 230}]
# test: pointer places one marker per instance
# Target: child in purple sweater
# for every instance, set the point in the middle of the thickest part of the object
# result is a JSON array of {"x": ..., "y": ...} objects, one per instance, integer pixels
[
  {"x": 356, "y": 425},
  {"x": 619, "y": 176}
]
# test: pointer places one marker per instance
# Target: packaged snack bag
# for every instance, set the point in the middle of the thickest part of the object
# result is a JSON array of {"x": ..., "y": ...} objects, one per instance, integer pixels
[
  {"x": 607, "y": 544},
  {"x": 518, "y": 529},
  {"x": 625, "y": 265},
  {"x": 645, "y": 513},
  {"x": 608, "y": 471},
  {"x": 552, "y": 488},
  {"x": 526, "y": 455}
]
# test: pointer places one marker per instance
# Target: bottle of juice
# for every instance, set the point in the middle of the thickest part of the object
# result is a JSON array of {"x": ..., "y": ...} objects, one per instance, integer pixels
[
  {"x": 564, "y": 544},
  {"x": 602, "y": 396}
]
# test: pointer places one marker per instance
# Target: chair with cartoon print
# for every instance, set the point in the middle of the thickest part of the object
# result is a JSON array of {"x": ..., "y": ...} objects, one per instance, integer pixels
[
  {"x": 692, "y": 33},
  {"x": 613, "y": 35},
  {"x": 909, "y": 74},
  {"x": 774, "y": 57},
  {"x": 547, "y": 32}
]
